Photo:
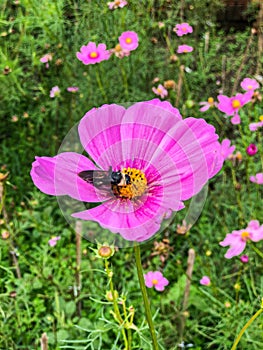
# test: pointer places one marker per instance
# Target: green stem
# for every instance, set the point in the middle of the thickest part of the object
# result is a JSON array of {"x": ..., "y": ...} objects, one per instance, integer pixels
[
  {"x": 257, "y": 251},
  {"x": 100, "y": 85},
  {"x": 115, "y": 305},
  {"x": 145, "y": 296},
  {"x": 245, "y": 328}
]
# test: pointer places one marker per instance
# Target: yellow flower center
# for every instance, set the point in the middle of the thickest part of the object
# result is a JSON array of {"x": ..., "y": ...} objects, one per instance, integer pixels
[
  {"x": 210, "y": 100},
  {"x": 261, "y": 118},
  {"x": 93, "y": 54},
  {"x": 136, "y": 188},
  {"x": 250, "y": 87},
  {"x": 154, "y": 281},
  {"x": 245, "y": 235},
  {"x": 184, "y": 29},
  {"x": 236, "y": 104},
  {"x": 128, "y": 40},
  {"x": 118, "y": 48}
]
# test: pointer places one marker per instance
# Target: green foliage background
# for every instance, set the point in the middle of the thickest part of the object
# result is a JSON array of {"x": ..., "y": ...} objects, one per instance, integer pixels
[{"x": 44, "y": 298}]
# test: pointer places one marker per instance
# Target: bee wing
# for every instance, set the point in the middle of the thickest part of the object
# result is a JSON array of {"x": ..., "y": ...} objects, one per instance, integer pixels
[{"x": 98, "y": 178}]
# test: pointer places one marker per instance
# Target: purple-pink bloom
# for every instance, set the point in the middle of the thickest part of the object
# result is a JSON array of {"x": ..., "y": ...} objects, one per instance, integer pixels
[
  {"x": 184, "y": 49},
  {"x": 129, "y": 41},
  {"x": 113, "y": 5},
  {"x": 231, "y": 105},
  {"x": 91, "y": 54},
  {"x": 72, "y": 89},
  {"x": 237, "y": 239},
  {"x": 46, "y": 58},
  {"x": 226, "y": 149},
  {"x": 251, "y": 149},
  {"x": 155, "y": 279},
  {"x": 163, "y": 158},
  {"x": 182, "y": 29},
  {"x": 249, "y": 84},
  {"x": 258, "y": 179},
  {"x": 119, "y": 52},
  {"x": 54, "y": 92},
  {"x": 244, "y": 259},
  {"x": 205, "y": 281},
  {"x": 255, "y": 126},
  {"x": 160, "y": 91},
  {"x": 207, "y": 104},
  {"x": 53, "y": 241}
]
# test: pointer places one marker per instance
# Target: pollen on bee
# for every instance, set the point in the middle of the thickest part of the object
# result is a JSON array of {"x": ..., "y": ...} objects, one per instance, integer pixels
[{"x": 137, "y": 186}]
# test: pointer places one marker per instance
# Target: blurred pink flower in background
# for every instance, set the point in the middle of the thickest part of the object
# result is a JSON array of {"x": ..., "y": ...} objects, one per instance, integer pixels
[
  {"x": 182, "y": 29},
  {"x": 237, "y": 239},
  {"x": 184, "y": 49},
  {"x": 255, "y": 126},
  {"x": 231, "y": 105},
  {"x": 258, "y": 179},
  {"x": 251, "y": 149},
  {"x": 119, "y": 52},
  {"x": 53, "y": 241},
  {"x": 226, "y": 149},
  {"x": 113, "y": 5},
  {"x": 205, "y": 281},
  {"x": 155, "y": 279},
  {"x": 129, "y": 41},
  {"x": 160, "y": 91},
  {"x": 249, "y": 84},
  {"x": 54, "y": 92},
  {"x": 72, "y": 89},
  {"x": 91, "y": 54},
  {"x": 244, "y": 259},
  {"x": 46, "y": 58},
  {"x": 207, "y": 104}
]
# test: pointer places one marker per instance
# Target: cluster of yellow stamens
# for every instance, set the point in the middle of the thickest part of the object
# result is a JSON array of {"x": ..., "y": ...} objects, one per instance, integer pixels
[
  {"x": 236, "y": 104},
  {"x": 245, "y": 235},
  {"x": 137, "y": 186}
]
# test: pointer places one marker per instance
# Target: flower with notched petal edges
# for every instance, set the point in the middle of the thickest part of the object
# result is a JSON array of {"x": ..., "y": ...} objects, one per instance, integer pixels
[
  {"x": 91, "y": 54},
  {"x": 161, "y": 159},
  {"x": 237, "y": 240},
  {"x": 155, "y": 279}
]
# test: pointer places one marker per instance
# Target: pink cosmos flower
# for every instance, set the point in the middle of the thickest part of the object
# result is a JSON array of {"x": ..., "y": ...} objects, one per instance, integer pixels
[
  {"x": 226, "y": 150},
  {"x": 207, "y": 104},
  {"x": 184, "y": 49},
  {"x": 53, "y": 241},
  {"x": 231, "y": 105},
  {"x": 182, "y": 29},
  {"x": 244, "y": 259},
  {"x": 129, "y": 41},
  {"x": 72, "y": 89},
  {"x": 160, "y": 91},
  {"x": 46, "y": 58},
  {"x": 205, "y": 281},
  {"x": 146, "y": 160},
  {"x": 119, "y": 52},
  {"x": 255, "y": 126},
  {"x": 113, "y": 5},
  {"x": 249, "y": 84},
  {"x": 257, "y": 179},
  {"x": 54, "y": 92},
  {"x": 251, "y": 149},
  {"x": 91, "y": 54},
  {"x": 155, "y": 279},
  {"x": 237, "y": 239}
]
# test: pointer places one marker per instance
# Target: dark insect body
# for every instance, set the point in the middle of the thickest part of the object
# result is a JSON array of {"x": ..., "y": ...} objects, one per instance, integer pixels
[{"x": 106, "y": 180}]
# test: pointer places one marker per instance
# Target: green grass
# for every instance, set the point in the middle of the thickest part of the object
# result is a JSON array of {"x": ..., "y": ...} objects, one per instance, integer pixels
[{"x": 38, "y": 287}]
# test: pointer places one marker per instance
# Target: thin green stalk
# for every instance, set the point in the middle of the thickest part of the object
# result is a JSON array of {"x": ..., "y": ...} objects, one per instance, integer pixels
[
  {"x": 145, "y": 296},
  {"x": 115, "y": 305},
  {"x": 125, "y": 81},
  {"x": 100, "y": 85},
  {"x": 257, "y": 251},
  {"x": 245, "y": 328}
]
